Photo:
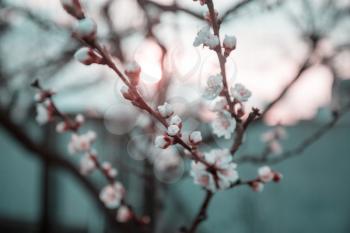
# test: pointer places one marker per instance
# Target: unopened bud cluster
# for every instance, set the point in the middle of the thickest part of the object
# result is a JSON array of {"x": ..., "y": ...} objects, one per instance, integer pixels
[
  {"x": 265, "y": 175},
  {"x": 174, "y": 129}
]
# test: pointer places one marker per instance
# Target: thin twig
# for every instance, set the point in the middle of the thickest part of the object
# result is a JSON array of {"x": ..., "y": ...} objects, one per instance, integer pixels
[
  {"x": 263, "y": 158},
  {"x": 202, "y": 213}
]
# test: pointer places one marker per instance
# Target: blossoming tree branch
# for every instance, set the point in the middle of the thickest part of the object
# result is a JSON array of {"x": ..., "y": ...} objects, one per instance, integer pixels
[{"x": 213, "y": 170}]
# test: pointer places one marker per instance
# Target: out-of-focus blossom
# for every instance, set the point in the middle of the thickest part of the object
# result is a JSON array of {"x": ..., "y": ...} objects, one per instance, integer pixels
[
  {"x": 87, "y": 164},
  {"x": 163, "y": 142},
  {"x": 43, "y": 95},
  {"x": 133, "y": 70},
  {"x": 214, "y": 87},
  {"x": 167, "y": 161},
  {"x": 195, "y": 137},
  {"x": 273, "y": 137},
  {"x": 64, "y": 126},
  {"x": 111, "y": 195},
  {"x": 240, "y": 93},
  {"x": 223, "y": 125},
  {"x": 80, "y": 118},
  {"x": 42, "y": 114},
  {"x": 81, "y": 143},
  {"x": 61, "y": 127},
  {"x": 275, "y": 147},
  {"x": 206, "y": 38},
  {"x": 73, "y": 7},
  {"x": 166, "y": 110},
  {"x": 87, "y": 56},
  {"x": 173, "y": 130},
  {"x": 257, "y": 186},
  {"x": 124, "y": 214},
  {"x": 265, "y": 174},
  {"x": 223, "y": 168},
  {"x": 219, "y": 105},
  {"x": 109, "y": 169},
  {"x": 86, "y": 29}
]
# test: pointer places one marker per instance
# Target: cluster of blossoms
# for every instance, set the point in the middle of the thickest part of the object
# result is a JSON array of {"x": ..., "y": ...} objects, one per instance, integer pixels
[
  {"x": 272, "y": 139},
  {"x": 213, "y": 170},
  {"x": 220, "y": 175},
  {"x": 224, "y": 125},
  {"x": 113, "y": 194},
  {"x": 174, "y": 129},
  {"x": 265, "y": 175}
]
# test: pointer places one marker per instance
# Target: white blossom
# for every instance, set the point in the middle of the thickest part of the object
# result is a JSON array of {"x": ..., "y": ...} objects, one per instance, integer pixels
[
  {"x": 265, "y": 174},
  {"x": 166, "y": 110},
  {"x": 173, "y": 130},
  {"x": 195, "y": 137},
  {"x": 86, "y": 28},
  {"x": 225, "y": 170},
  {"x": 111, "y": 195},
  {"x": 214, "y": 87},
  {"x": 87, "y": 164},
  {"x": 81, "y": 143},
  {"x": 240, "y": 93},
  {"x": 124, "y": 214},
  {"x": 175, "y": 120},
  {"x": 223, "y": 125}
]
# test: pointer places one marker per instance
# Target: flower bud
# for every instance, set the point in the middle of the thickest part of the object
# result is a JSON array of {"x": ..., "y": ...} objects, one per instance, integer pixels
[
  {"x": 88, "y": 56},
  {"x": 124, "y": 214},
  {"x": 277, "y": 177},
  {"x": 127, "y": 94},
  {"x": 257, "y": 186},
  {"x": 86, "y": 29},
  {"x": 133, "y": 70},
  {"x": 166, "y": 110},
  {"x": 173, "y": 130},
  {"x": 176, "y": 120},
  {"x": 61, "y": 127},
  {"x": 265, "y": 174},
  {"x": 73, "y": 7},
  {"x": 195, "y": 137},
  {"x": 229, "y": 44},
  {"x": 163, "y": 142},
  {"x": 109, "y": 170}
]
